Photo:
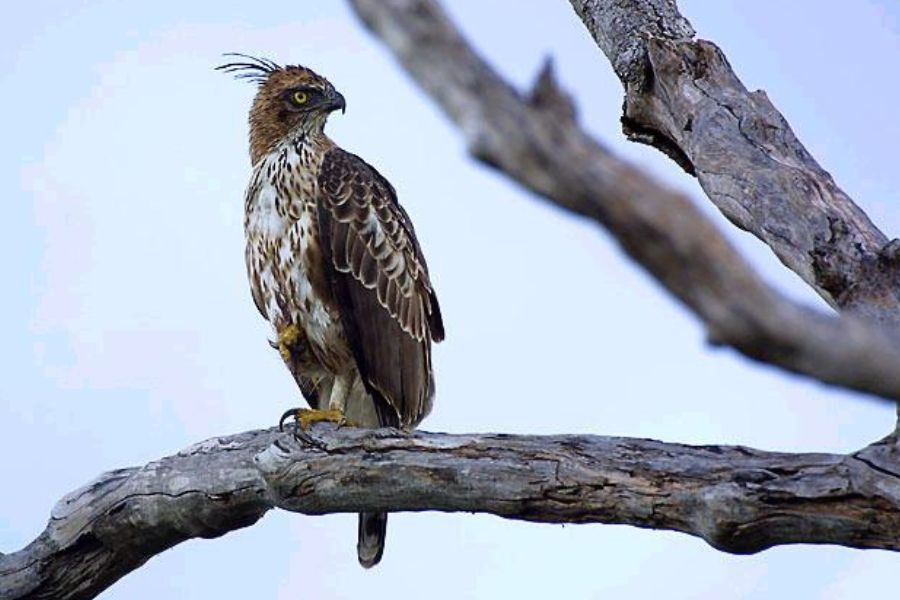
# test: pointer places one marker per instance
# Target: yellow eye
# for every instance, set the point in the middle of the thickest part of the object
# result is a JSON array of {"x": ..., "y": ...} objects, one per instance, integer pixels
[{"x": 300, "y": 97}]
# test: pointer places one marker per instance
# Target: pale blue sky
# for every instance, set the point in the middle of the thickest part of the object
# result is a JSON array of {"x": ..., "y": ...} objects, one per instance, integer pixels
[{"x": 129, "y": 332}]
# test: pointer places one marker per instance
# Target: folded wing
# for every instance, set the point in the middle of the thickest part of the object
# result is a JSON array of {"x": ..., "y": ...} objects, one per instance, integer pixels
[{"x": 379, "y": 277}]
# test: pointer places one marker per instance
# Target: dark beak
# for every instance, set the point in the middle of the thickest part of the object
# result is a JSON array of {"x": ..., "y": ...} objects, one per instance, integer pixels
[{"x": 336, "y": 101}]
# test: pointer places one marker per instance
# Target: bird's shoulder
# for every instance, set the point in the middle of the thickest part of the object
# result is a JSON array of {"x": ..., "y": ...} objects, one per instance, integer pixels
[{"x": 373, "y": 239}]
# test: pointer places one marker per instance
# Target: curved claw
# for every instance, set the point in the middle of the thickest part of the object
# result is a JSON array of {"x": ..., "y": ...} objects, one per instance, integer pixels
[{"x": 289, "y": 413}]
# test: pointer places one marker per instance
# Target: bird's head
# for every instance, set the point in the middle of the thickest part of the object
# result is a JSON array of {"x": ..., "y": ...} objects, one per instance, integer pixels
[{"x": 291, "y": 100}]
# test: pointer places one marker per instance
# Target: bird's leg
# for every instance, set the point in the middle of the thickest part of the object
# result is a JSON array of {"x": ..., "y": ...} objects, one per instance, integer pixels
[
  {"x": 339, "y": 392},
  {"x": 334, "y": 414}
]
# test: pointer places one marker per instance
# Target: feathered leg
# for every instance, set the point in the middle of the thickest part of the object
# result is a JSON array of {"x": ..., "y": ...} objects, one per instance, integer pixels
[{"x": 315, "y": 385}]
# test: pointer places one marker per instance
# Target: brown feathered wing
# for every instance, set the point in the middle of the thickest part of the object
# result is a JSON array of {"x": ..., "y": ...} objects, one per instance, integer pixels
[{"x": 388, "y": 308}]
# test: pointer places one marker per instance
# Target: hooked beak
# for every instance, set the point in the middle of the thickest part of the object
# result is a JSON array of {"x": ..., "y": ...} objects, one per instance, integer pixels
[{"x": 336, "y": 101}]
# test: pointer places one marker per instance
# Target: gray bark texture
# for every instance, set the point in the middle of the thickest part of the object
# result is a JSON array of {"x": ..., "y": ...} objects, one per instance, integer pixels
[
  {"x": 738, "y": 499},
  {"x": 682, "y": 97},
  {"x": 535, "y": 139}
]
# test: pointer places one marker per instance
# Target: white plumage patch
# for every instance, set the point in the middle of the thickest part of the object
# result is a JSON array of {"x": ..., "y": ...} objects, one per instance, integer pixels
[{"x": 280, "y": 226}]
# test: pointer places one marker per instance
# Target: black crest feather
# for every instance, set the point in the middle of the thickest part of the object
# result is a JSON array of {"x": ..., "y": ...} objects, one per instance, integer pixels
[{"x": 251, "y": 68}]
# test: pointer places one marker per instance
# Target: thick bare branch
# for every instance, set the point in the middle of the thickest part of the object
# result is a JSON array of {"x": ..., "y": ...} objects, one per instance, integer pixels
[
  {"x": 738, "y": 499},
  {"x": 537, "y": 142},
  {"x": 682, "y": 97}
]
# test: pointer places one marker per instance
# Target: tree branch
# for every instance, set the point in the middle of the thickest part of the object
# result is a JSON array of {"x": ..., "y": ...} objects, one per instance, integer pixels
[
  {"x": 738, "y": 499},
  {"x": 537, "y": 142},
  {"x": 682, "y": 97}
]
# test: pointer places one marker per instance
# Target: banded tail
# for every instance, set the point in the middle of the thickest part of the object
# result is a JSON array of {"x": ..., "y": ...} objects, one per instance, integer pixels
[{"x": 370, "y": 540}]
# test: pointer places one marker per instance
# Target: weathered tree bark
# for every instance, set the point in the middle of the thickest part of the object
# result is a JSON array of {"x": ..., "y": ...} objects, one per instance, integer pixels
[
  {"x": 537, "y": 142},
  {"x": 738, "y": 499},
  {"x": 682, "y": 97}
]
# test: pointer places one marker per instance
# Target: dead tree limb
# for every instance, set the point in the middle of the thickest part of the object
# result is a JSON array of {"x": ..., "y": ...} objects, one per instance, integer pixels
[
  {"x": 682, "y": 97},
  {"x": 537, "y": 142},
  {"x": 738, "y": 499}
]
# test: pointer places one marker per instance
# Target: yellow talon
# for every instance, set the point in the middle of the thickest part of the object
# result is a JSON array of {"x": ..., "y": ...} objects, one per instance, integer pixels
[
  {"x": 287, "y": 338},
  {"x": 305, "y": 417},
  {"x": 308, "y": 416}
]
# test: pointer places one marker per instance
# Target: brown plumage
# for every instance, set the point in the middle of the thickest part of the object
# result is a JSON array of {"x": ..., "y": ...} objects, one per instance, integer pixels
[{"x": 335, "y": 266}]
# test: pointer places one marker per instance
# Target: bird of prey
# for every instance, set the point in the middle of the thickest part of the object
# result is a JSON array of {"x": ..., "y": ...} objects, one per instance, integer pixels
[{"x": 335, "y": 267}]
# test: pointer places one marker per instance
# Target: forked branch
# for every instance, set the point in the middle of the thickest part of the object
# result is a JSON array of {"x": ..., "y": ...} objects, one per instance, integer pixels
[
  {"x": 738, "y": 499},
  {"x": 536, "y": 141}
]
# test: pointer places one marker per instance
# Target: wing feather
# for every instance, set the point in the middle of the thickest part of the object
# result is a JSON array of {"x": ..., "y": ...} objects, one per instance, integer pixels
[{"x": 380, "y": 280}]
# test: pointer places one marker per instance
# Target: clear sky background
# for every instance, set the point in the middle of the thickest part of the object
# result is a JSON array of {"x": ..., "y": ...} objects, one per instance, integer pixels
[{"x": 129, "y": 332}]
